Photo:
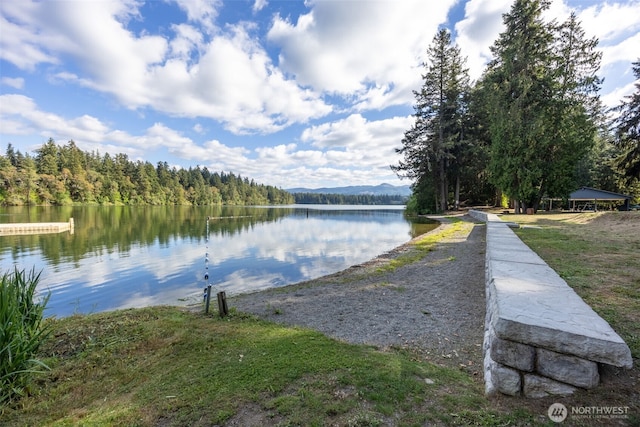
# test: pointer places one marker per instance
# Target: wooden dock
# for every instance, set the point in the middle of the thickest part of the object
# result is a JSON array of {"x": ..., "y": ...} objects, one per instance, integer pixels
[{"x": 36, "y": 228}]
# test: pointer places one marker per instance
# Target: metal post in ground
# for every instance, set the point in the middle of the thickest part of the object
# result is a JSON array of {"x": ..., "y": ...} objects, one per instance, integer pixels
[{"x": 207, "y": 299}]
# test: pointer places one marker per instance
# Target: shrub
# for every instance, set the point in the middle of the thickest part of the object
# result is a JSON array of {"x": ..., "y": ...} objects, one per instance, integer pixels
[{"x": 21, "y": 333}]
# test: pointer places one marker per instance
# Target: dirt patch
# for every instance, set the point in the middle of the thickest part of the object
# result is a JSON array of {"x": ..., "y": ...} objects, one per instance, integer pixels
[{"x": 252, "y": 415}]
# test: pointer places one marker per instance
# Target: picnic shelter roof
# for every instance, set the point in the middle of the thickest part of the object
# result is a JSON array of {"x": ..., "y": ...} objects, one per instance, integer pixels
[{"x": 588, "y": 193}]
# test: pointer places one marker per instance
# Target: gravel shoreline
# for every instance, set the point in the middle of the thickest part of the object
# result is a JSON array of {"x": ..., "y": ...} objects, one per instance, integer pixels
[{"x": 434, "y": 306}]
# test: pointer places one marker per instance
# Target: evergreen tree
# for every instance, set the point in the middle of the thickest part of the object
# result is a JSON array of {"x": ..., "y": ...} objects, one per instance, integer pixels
[
  {"x": 575, "y": 111},
  {"x": 541, "y": 89},
  {"x": 47, "y": 158},
  {"x": 627, "y": 131},
  {"x": 11, "y": 155},
  {"x": 72, "y": 158},
  {"x": 517, "y": 82},
  {"x": 433, "y": 147}
]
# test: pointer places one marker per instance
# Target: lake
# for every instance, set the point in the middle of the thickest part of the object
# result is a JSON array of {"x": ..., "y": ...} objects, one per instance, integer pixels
[{"x": 122, "y": 256}]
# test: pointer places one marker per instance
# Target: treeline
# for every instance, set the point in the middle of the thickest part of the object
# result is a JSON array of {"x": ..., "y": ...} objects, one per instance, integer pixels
[
  {"x": 63, "y": 175},
  {"x": 531, "y": 127},
  {"x": 348, "y": 199}
]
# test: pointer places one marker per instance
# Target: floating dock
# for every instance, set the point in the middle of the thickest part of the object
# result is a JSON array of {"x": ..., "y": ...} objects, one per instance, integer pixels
[{"x": 36, "y": 228}]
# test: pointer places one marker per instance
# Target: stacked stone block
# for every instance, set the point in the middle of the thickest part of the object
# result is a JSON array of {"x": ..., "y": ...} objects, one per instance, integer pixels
[{"x": 541, "y": 338}]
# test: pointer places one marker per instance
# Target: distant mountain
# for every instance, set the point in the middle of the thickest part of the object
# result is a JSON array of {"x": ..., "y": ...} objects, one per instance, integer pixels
[{"x": 374, "y": 190}]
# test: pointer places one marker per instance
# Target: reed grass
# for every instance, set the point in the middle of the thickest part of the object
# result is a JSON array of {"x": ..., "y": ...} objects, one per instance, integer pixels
[{"x": 22, "y": 331}]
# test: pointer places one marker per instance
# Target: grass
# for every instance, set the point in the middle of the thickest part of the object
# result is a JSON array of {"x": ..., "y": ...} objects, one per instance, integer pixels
[
  {"x": 21, "y": 333},
  {"x": 421, "y": 247},
  {"x": 598, "y": 255},
  {"x": 165, "y": 366}
]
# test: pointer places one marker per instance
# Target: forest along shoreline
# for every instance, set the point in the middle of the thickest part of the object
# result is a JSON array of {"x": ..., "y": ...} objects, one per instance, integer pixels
[{"x": 434, "y": 305}]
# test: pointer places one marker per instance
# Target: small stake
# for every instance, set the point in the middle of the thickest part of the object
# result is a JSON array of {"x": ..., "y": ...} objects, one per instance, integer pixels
[{"x": 222, "y": 304}]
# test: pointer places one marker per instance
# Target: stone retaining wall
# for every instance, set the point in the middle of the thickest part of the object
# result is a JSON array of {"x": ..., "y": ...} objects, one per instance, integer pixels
[{"x": 540, "y": 337}]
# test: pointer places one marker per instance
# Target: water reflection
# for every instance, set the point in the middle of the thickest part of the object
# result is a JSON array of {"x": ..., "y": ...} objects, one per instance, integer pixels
[{"x": 121, "y": 257}]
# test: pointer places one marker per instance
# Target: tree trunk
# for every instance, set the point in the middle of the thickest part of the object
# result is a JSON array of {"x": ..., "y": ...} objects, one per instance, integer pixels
[
  {"x": 457, "y": 192},
  {"x": 443, "y": 187}
]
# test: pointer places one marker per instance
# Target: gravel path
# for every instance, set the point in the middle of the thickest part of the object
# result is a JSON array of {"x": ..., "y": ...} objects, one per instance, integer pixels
[{"x": 434, "y": 306}]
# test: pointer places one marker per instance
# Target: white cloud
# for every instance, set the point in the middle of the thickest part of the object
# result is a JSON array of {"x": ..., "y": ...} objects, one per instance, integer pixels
[
  {"x": 258, "y": 5},
  {"x": 617, "y": 96},
  {"x": 608, "y": 21},
  {"x": 617, "y": 27},
  {"x": 21, "y": 44},
  {"x": 361, "y": 50},
  {"x": 187, "y": 41},
  {"x": 222, "y": 157},
  {"x": 348, "y": 151},
  {"x": 203, "y": 12},
  {"x": 280, "y": 153},
  {"x": 229, "y": 78},
  {"x": 310, "y": 158},
  {"x": 12, "y": 107},
  {"x": 247, "y": 93},
  {"x": 16, "y": 83},
  {"x": 19, "y": 115},
  {"x": 112, "y": 59},
  {"x": 355, "y": 132},
  {"x": 352, "y": 150},
  {"x": 478, "y": 30},
  {"x": 160, "y": 135},
  {"x": 625, "y": 51}
]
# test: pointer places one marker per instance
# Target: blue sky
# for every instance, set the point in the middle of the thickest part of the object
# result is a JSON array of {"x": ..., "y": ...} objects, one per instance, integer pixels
[{"x": 289, "y": 93}]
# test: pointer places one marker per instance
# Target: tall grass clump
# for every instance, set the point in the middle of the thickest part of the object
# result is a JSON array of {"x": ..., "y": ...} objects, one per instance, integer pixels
[{"x": 21, "y": 332}]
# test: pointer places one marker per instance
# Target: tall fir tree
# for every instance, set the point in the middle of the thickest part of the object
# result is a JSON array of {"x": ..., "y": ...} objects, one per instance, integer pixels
[
  {"x": 432, "y": 146},
  {"x": 517, "y": 80},
  {"x": 575, "y": 112},
  {"x": 47, "y": 158}
]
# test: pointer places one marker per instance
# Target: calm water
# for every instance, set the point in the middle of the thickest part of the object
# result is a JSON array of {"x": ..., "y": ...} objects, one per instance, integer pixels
[{"x": 122, "y": 257}]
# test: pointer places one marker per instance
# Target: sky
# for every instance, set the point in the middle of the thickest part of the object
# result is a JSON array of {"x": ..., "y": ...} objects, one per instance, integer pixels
[{"x": 288, "y": 93}]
